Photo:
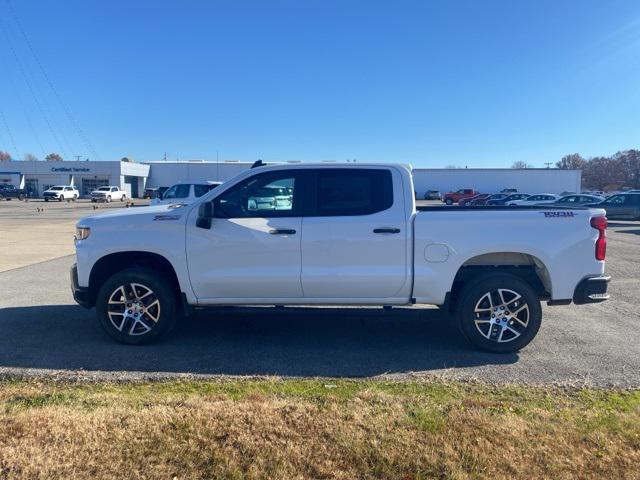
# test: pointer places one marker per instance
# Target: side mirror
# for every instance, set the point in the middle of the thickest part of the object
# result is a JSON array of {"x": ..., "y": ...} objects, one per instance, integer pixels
[{"x": 205, "y": 214}]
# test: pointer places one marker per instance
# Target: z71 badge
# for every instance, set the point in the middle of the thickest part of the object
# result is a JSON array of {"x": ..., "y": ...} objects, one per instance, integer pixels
[{"x": 560, "y": 214}]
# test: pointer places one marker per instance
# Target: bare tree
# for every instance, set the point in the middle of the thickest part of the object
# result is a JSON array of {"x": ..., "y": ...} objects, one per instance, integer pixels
[
  {"x": 53, "y": 157},
  {"x": 30, "y": 157},
  {"x": 573, "y": 161},
  {"x": 521, "y": 164},
  {"x": 4, "y": 156}
]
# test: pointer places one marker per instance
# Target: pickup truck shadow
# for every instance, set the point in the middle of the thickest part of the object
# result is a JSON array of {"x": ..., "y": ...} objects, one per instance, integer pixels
[{"x": 292, "y": 341}]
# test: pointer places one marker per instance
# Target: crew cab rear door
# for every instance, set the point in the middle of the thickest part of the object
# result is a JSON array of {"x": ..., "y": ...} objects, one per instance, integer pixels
[{"x": 354, "y": 235}]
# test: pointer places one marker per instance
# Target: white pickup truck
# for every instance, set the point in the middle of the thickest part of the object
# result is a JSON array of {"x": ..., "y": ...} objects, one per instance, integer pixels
[
  {"x": 337, "y": 235},
  {"x": 108, "y": 193}
]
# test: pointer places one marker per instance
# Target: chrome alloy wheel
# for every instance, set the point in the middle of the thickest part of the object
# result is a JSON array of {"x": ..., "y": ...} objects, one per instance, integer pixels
[
  {"x": 133, "y": 309},
  {"x": 501, "y": 315}
]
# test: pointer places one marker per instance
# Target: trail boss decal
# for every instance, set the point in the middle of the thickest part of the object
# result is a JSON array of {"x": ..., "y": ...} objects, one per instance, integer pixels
[
  {"x": 560, "y": 214},
  {"x": 165, "y": 217}
]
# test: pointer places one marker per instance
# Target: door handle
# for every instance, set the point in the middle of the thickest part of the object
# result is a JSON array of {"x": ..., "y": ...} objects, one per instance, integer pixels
[
  {"x": 386, "y": 230},
  {"x": 282, "y": 231}
]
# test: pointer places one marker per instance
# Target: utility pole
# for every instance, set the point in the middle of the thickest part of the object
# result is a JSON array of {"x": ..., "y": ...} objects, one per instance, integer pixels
[
  {"x": 78, "y": 157},
  {"x": 548, "y": 164}
]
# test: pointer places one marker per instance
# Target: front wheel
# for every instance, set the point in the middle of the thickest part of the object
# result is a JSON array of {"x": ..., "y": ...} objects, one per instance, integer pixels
[
  {"x": 137, "y": 306},
  {"x": 499, "y": 313},
  {"x": 60, "y": 198},
  {"x": 108, "y": 198},
  {"x": 448, "y": 201}
]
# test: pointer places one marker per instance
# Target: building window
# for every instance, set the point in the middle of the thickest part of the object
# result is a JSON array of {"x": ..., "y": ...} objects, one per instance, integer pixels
[{"x": 91, "y": 184}]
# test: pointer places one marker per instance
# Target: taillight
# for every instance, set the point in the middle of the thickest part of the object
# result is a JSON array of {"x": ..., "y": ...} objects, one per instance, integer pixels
[{"x": 600, "y": 224}]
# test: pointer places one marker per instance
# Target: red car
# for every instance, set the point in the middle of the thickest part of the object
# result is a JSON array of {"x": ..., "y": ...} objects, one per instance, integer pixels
[
  {"x": 454, "y": 197},
  {"x": 475, "y": 198}
]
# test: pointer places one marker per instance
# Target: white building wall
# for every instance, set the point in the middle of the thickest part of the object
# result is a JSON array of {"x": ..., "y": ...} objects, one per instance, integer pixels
[
  {"x": 165, "y": 174},
  {"x": 70, "y": 172},
  {"x": 490, "y": 180}
]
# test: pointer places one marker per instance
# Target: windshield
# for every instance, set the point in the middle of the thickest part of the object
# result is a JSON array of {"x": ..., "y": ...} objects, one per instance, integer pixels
[
  {"x": 177, "y": 191},
  {"x": 56, "y": 188},
  {"x": 104, "y": 189}
]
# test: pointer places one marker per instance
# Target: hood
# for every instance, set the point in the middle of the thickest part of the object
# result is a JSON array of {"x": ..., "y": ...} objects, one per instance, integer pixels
[{"x": 133, "y": 214}]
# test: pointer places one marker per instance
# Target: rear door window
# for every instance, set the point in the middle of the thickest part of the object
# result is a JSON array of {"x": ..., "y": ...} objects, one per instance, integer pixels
[
  {"x": 348, "y": 192},
  {"x": 200, "y": 190}
]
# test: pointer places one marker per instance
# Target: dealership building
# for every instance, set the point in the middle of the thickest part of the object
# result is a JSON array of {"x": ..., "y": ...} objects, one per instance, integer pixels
[{"x": 37, "y": 176}]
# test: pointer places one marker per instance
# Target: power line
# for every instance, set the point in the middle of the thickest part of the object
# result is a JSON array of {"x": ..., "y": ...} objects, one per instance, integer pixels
[
  {"x": 66, "y": 110},
  {"x": 13, "y": 141},
  {"x": 23, "y": 71}
]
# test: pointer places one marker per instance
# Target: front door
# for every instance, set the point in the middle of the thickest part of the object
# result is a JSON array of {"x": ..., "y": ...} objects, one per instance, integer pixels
[
  {"x": 252, "y": 250},
  {"x": 354, "y": 241}
]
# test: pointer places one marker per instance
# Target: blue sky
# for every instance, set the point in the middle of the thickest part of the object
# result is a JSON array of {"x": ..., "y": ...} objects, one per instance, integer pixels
[{"x": 433, "y": 83}]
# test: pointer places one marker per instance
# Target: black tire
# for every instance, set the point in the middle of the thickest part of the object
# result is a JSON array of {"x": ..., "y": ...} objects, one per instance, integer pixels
[
  {"x": 75, "y": 197},
  {"x": 21, "y": 197},
  {"x": 130, "y": 328},
  {"x": 46, "y": 199},
  {"x": 60, "y": 198},
  {"x": 449, "y": 201},
  {"x": 123, "y": 198},
  {"x": 108, "y": 199},
  {"x": 480, "y": 329}
]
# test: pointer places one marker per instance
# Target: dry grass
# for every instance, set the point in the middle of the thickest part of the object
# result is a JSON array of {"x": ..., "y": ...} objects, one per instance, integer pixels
[{"x": 308, "y": 429}]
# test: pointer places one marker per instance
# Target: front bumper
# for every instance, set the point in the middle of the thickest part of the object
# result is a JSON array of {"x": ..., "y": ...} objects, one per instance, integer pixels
[
  {"x": 591, "y": 290},
  {"x": 80, "y": 294}
]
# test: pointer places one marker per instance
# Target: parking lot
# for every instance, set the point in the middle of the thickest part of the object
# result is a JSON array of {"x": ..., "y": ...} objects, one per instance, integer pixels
[{"x": 43, "y": 332}]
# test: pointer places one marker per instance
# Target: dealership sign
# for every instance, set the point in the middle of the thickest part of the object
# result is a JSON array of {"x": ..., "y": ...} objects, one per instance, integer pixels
[{"x": 69, "y": 169}]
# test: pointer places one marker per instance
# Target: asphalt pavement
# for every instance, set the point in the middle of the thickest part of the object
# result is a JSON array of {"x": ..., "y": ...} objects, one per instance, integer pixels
[{"x": 43, "y": 333}]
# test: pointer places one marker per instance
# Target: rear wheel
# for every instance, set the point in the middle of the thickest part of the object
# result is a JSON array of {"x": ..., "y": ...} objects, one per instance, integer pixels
[
  {"x": 499, "y": 313},
  {"x": 137, "y": 306},
  {"x": 75, "y": 197},
  {"x": 123, "y": 198}
]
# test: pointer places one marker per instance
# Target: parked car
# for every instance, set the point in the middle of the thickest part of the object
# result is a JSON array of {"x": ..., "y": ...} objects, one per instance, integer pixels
[
  {"x": 8, "y": 191},
  {"x": 470, "y": 200},
  {"x": 576, "y": 200},
  {"x": 150, "y": 193},
  {"x": 108, "y": 194},
  {"x": 509, "y": 198},
  {"x": 61, "y": 192},
  {"x": 161, "y": 191},
  {"x": 354, "y": 240},
  {"x": 432, "y": 195},
  {"x": 454, "y": 197},
  {"x": 483, "y": 201},
  {"x": 539, "y": 199},
  {"x": 624, "y": 206},
  {"x": 184, "y": 193},
  {"x": 509, "y": 190}
]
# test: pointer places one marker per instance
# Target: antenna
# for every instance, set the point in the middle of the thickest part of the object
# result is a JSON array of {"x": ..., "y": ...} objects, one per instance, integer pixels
[{"x": 258, "y": 163}]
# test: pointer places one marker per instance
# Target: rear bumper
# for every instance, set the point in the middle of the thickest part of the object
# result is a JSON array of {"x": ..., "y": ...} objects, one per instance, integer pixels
[
  {"x": 591, "y": 290},
  {"x": 80, "y": 294}
]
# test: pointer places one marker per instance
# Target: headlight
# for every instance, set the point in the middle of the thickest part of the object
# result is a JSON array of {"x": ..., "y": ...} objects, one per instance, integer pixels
[{"x": 82, "y": 233}]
